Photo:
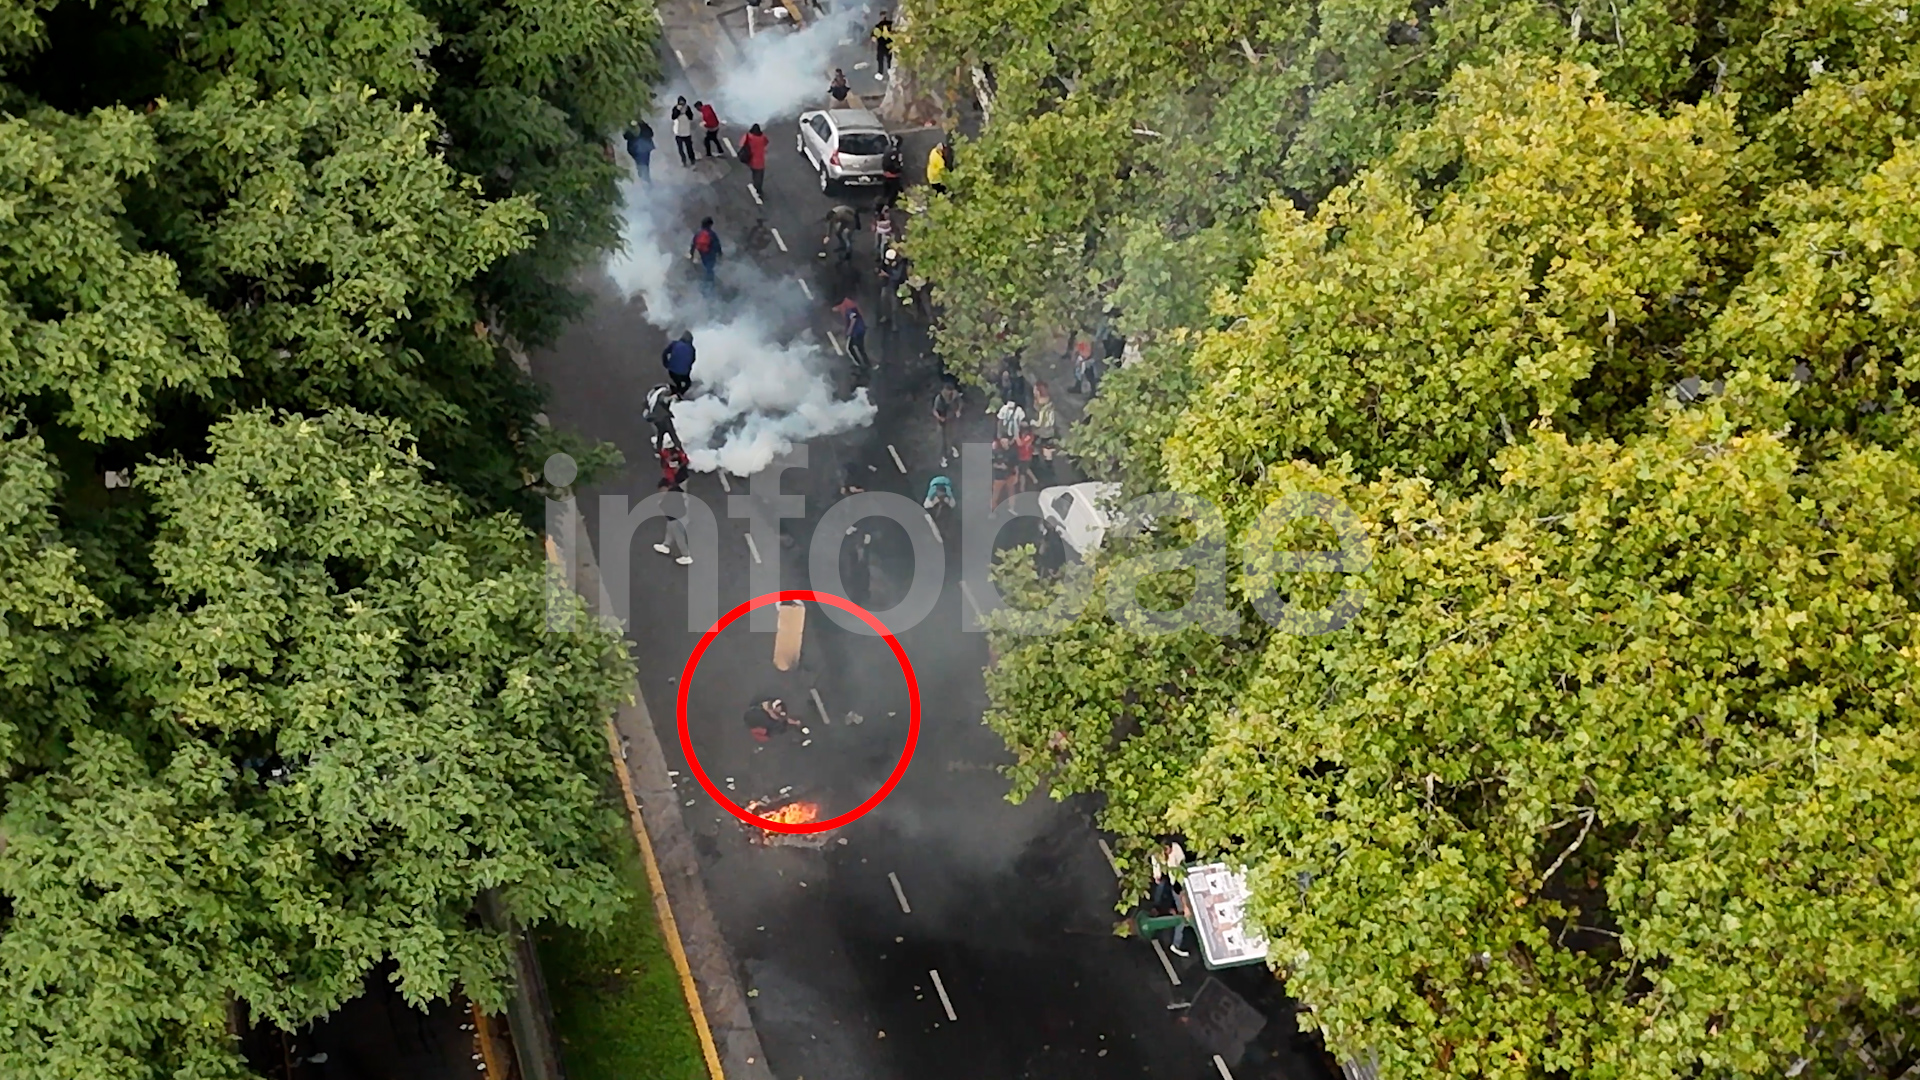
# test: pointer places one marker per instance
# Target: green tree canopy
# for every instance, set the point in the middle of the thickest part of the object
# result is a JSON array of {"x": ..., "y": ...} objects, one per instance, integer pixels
[
  {"x": 339, "y": 715},
  {"x": 280, "y": 712},
  {"x": 1611, "y": 774}
]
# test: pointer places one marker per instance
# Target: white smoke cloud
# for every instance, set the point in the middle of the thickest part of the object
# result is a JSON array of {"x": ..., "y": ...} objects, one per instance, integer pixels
[
  {"x": 757, "y": 391},
  {"x": 780, "y": 71}
]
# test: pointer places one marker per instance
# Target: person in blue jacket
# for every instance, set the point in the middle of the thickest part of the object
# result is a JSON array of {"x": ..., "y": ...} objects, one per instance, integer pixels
[{"x": 678, "y": 360}]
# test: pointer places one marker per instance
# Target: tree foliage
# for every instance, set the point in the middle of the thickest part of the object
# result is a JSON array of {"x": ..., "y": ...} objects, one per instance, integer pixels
[
  {"x": 1611, "y": 774},
  {"x": 278, "y": 713},
  {"x": 1181, "y": 123}
]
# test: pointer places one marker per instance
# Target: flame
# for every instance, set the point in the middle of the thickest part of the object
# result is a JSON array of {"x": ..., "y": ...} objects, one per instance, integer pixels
[{"x": 795, "y": 813}]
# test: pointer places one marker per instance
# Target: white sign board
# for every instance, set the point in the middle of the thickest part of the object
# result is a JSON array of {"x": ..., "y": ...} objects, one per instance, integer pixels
[{"x": 1217, "y": 903}]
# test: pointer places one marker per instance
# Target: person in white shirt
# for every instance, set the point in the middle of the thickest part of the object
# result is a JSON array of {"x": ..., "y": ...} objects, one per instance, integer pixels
[
  {"x": 1010, "y": 418},
  {"x": 683, "y": 132}
]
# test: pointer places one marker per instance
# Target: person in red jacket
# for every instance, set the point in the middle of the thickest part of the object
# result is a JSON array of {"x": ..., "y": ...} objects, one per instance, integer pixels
[
  {"x": 711, "y": 121},
  {"x": 753, "y": 150}
]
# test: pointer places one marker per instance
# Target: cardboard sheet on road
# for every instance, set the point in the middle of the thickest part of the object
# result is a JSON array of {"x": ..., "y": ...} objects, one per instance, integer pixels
[{"x": 791, "y": 628}]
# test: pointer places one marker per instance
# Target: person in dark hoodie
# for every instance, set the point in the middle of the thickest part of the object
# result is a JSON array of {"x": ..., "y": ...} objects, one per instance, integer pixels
[
  {"x": 640, "y": 148},
  {"x": 678, "y": 359},
  {"x": 706, "y": 250}
]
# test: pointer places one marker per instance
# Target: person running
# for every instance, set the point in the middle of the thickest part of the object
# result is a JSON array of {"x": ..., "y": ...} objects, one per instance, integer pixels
[
  {"x": 660, "y": 414},
  {"x": 683, "y": 132},
  {"x": 856, "y": 335},
  {"x": 946, "y": 413},
  {"x": 842, "y": 222},
  {"x": 753, "y": 150},
  {"x": 710, "y": 121},
  {"x": 640, "y": 148},
  {"x": 883, "y": 45},
  {"x": 769, "y": 718},
  {"x": 706, "y": 248},
  {"x": 838, "y": 88},
  {"x": 676, "y": 537},
  {"x": 678, "y": 358},
  {"x": 675, "y": 466}
]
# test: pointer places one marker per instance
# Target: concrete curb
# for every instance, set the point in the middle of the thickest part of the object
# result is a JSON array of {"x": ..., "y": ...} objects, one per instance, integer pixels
[
  {"x": 700, "y": 953},
  {"x": 719, "y": 1005}
]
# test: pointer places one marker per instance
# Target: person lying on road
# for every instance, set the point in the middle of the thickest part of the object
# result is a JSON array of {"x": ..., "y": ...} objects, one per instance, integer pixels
[{"x": 769, "y": 718}]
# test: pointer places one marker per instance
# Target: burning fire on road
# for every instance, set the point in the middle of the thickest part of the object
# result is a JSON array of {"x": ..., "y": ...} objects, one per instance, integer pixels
[{"x": 795, "y": 812}]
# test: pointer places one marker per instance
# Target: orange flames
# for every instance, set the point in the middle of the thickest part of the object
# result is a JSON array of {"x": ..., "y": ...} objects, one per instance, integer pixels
[{"x": 795, "y": 813}]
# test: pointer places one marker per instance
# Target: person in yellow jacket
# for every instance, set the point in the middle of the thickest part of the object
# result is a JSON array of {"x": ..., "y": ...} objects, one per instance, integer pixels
[{"x": 938, "y": 162}]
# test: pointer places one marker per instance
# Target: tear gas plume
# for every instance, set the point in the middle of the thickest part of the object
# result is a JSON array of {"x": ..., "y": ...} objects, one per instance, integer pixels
[
  {"x": 758, "y": 398},
  {"x": 756, "y": 395},
  {"x": 783, "y": 71}
]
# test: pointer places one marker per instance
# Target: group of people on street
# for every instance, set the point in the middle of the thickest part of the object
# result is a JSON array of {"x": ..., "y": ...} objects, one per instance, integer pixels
[{"x": 1026, "y": 434}]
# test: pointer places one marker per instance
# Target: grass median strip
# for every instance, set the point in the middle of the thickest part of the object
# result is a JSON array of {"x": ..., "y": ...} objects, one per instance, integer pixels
[{"x": 617, "y": 1003}]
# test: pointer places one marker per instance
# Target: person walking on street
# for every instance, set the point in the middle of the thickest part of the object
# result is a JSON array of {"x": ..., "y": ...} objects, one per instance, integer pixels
[
  {"x": 706, "y": 248},
  {"x": 709, "y": 120},
  {"x": 677, "y": 358},
  {"x": 640, "y": 148},
  {"x": 842, "y": 222},
  {"x": 946, "y": 413},
  {"x": 883, "y": 45},
  {"x": 856, "y": 335},
  {"x": 753, "y": 149},
  {"x": 893, "y": 278},
  {"x": 683, "y": 132},
  {"x": 675, "y": 506},
  {"x": 838, "y": 88}
]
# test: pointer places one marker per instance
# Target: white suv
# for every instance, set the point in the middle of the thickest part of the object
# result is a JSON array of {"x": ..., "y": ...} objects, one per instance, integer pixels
[{"x": 846, "y": 146}]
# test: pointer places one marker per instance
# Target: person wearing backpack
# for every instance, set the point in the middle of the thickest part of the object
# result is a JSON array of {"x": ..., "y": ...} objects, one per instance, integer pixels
[
  {"x": 753, "y": 152},
  {"x": 706, "y": 249},
  {"x": 709, "y": 120},
  {"x": 683, "y": 132}
]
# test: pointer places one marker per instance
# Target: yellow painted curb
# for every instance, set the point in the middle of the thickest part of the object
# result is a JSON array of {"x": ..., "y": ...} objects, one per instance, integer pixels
[{"x": 664, "y": 909}]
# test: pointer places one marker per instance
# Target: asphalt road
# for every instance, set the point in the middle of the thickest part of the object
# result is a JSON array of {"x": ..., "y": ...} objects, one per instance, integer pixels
[{"x": 1012, "y": 906}]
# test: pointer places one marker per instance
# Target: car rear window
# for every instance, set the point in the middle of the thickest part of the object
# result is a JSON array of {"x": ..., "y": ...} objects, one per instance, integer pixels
[{"x": 863, "y": 143}]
